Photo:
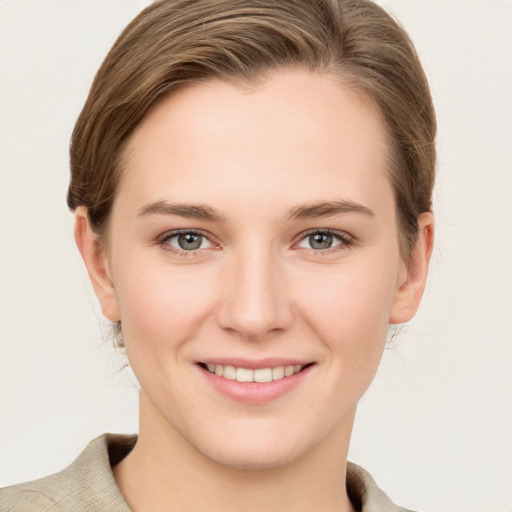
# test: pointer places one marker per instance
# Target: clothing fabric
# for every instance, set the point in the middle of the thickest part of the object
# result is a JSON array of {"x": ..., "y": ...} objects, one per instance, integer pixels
[{"x": 88, "y": 484}]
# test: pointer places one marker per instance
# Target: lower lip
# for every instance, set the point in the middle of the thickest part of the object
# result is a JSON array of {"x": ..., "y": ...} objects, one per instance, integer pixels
[{"x": 255, "y": 393}]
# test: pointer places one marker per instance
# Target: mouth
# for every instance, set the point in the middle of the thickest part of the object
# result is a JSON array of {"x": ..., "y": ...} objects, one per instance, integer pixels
[
  {"x": 255, "y": 383},
  {"x": 260, "y": 375}
]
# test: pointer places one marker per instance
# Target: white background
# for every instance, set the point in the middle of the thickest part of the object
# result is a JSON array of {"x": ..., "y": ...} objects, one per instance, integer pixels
[{"x": 435, "y": 429}]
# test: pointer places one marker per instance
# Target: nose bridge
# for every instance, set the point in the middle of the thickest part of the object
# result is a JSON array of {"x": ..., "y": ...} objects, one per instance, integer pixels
[{"x": 255, "y": 301}]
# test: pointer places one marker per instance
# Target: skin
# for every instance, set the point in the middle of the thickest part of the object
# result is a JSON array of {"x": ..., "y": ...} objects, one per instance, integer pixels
[{"x": 255, "y": 288}]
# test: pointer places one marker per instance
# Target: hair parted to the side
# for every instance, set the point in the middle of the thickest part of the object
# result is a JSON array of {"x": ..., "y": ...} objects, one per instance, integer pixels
[{"x": 173, "y": 43}]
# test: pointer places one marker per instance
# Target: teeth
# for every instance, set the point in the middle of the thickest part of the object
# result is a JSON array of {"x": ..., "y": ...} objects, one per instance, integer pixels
[
  {"x": 229, "y": 372},
  {"x": 248, "y": 375},
  {"x": 277, "y": 372},
  {"x": 244, "y": 375},
  {"x": 263, "y": 375},
  {"x": 289, "y": 371}
]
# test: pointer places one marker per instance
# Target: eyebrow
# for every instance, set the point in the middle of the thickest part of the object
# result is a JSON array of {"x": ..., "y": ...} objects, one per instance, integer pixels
[
  {"x": 203, "y": 212},
  {"x": 181, "y": 210},
  {"x": 327, "y": 209}
]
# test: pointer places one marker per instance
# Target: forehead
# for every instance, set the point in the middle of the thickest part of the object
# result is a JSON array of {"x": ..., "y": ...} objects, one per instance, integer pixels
[{"x": 298, "y": 136}]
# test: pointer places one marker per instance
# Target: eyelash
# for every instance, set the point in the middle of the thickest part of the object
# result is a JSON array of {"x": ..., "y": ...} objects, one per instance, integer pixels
[
  {"x": 164, "y": 239},
  {"x": 344, "y": 239}
]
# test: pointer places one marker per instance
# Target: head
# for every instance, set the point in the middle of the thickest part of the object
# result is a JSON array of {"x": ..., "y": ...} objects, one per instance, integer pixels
[
  {"x": 174, "y": 44},
  {"x": 238, "y": 107}
]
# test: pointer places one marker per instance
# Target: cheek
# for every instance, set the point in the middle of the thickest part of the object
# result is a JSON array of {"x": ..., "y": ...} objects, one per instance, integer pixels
[
  {"x": 349, "y": 307},
  {"x": 357, "y": 293},
  {"x": 160, "y": 304}
]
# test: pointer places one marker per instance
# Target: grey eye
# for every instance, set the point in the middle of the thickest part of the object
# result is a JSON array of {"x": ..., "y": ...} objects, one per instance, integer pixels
[
  {"x": 320, "y": 241},
  {"x": 188, "y": 241}
]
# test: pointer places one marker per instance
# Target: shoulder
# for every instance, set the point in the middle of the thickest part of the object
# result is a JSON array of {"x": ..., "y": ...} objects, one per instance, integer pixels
[
  {"x": 87, "y": 484},
  {"x": 28, "y": 497},
  {"x": 365, "y": 494}
]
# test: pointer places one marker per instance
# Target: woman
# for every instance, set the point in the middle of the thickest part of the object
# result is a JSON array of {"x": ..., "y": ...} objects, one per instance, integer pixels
[{"x": 252, "y": 183}]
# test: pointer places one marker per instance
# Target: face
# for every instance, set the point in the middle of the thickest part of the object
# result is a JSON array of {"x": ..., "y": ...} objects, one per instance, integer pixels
[{"x": 253, "y": 238}]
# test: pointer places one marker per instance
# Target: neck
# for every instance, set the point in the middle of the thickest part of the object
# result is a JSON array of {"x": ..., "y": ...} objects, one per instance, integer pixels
[{"x": 165, "y": 472}]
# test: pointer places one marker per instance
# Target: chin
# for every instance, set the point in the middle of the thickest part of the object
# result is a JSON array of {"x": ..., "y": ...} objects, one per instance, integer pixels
[
  {"x": 253, "y": 458},
  {"x": 260, "y": 448}
]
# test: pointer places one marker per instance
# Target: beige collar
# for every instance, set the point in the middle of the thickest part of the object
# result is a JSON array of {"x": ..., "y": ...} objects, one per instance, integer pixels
[{"x": 89, "y": 484}]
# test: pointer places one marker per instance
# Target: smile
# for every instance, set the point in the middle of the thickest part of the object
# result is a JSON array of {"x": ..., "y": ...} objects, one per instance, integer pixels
[
  {"x": 248, "y": 375},
  {"x": 255, "y": 382}
]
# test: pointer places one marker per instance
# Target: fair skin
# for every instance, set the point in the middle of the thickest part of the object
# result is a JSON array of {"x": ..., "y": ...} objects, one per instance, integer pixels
[{"x": 287, "y": 254}]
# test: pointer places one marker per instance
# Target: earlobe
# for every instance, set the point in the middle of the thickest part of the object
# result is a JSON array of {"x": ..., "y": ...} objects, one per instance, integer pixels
[
  {"x": 96, "y": 261},
  {"x": 409, "y": 293}
]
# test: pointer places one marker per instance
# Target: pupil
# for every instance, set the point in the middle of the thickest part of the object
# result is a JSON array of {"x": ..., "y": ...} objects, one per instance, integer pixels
[
  {"x": 320, "y": 241},
  {"x": 190, "y": 241}
]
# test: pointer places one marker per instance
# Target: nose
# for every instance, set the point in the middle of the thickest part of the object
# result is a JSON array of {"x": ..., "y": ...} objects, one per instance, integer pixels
[{"x": 255, "y": 302}]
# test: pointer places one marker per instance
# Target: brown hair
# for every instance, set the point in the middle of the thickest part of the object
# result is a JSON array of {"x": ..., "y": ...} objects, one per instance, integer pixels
[{"x": 172, "y": 43}]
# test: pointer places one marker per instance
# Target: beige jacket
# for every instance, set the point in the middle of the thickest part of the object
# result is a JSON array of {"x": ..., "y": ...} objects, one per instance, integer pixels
[{"x": 88, "y": 485}]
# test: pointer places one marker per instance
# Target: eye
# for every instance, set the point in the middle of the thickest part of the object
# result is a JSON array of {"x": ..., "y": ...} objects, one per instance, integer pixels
[
  {"x": 324, "y": 240},
  {"x": 187, "y": 241}
]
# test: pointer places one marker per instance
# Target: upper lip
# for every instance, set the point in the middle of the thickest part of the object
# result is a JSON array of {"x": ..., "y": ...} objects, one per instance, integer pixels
[{"x": 255, "y": 364}]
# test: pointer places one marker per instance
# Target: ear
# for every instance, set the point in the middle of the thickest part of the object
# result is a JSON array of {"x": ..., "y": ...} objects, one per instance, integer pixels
[
  {"x": 95, "y": 258},
  {"x": 414, "y": 277}
]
